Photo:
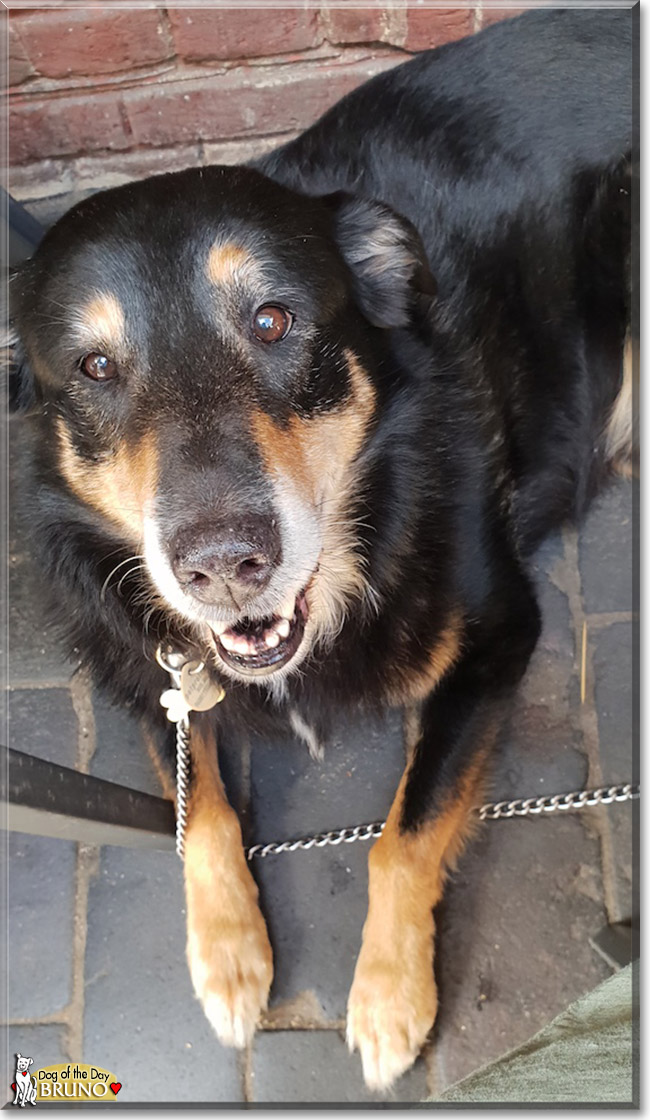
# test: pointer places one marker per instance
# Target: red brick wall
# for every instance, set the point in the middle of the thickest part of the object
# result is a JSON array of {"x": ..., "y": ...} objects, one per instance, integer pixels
[{"x": 99, "y": 95}]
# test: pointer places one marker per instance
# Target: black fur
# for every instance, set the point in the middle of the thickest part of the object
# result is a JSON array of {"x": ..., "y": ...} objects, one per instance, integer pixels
[{"x": 497, "y": 171}]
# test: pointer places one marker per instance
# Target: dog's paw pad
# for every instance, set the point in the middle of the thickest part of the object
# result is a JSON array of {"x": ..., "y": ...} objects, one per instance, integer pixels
[
  {"x": 387, "y": 1025},
  {"x": 232, "y": 976}
]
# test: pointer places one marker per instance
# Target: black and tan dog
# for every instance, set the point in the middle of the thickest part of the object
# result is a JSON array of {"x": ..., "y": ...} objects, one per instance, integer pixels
[{"x": 328, "y": 406}]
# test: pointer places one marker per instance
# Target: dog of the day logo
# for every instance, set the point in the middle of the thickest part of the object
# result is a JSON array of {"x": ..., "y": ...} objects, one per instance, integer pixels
[{"x": 67, "y": 1081}]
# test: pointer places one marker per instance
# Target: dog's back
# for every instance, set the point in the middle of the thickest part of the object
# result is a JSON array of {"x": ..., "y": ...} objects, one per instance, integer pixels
[{"x": 511, "y": 152}]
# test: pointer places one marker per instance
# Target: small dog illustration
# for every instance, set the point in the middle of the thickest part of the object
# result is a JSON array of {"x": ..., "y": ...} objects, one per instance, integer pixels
[{"x": 24, "y": 1086}]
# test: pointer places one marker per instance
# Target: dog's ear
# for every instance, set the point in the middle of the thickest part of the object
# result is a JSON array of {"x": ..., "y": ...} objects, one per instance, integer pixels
[
  {"x": 22, "y": 394},
  {"x": 392, "y": 276}
]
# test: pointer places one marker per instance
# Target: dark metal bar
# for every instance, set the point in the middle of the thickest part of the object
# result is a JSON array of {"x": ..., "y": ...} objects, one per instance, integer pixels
[{"x": 50, "y": 800}]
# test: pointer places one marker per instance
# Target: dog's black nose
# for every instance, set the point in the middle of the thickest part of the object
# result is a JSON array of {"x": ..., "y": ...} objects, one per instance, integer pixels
[{"x": 231, "y": 561}]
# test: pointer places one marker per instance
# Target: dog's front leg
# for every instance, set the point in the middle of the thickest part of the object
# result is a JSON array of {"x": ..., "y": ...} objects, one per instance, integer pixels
[
  {"x": 228, "y": 949},
  {"x": 393, "y": 1000}
]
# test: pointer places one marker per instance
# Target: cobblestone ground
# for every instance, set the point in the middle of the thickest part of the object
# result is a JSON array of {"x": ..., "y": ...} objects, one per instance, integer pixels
[{"x": 96, "y": 936}]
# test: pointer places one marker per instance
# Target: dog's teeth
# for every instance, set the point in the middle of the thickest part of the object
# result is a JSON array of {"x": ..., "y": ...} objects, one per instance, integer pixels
[
  {"x": 288, "y": 607},
  {"x": 271, "y": 639},
  {"x": 283, "y": 627},
  {"x": 228, "y": 641}
]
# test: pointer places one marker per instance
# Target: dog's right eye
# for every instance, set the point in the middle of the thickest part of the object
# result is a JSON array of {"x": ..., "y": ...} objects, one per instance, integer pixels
[{"x": 98, "y": 367}]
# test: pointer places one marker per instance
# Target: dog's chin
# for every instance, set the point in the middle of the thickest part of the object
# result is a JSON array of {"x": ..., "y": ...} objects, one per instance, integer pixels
[{"x": 262, "y": 647}]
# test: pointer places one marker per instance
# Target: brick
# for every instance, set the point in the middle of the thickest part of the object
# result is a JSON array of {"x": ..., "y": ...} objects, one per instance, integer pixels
[
  {"x": 114, "y": 168},
  {"x": 606, "y": 547},
  {"x": 242, "y": 151},
  {"x": 20, "y": 67},
  {"x": 495, "y": 15},
  {"x": 243, "y": 103},
  {"x": 314, "y": 1067},
  {"x": 47, "y": 211},
  {"x": 40, "y": 925},
  {"x": 44, "y": 179},
  {"x": 355, "y": 25},
  {"x": 616, "y": 697},
  {"x": 42, "y": 722},
  {"x": 121, "y": 753},
  {"x": 243, "y": 33},
  {"x": 60, "y": 44},
  {"x": 540, "y": 752},
  {"x": 431, "y": 27},
  {"x": 315, "y": 901},
  {"x": 43, "y": 129},
  {"x": 142, "y": 1019},
  {"x": 513, "y": 938},
  {"x": 44, "y": 1044}
]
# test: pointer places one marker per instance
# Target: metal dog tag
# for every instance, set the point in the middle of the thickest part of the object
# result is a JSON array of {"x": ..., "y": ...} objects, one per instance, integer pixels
[{"x": 200, "y": 692}]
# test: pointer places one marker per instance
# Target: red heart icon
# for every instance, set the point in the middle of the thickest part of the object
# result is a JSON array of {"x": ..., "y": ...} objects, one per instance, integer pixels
[
  {"x": 13, "y": 1086},
  {"x": 24, "y": 1072},
  {"x": 116, "y": 1086}
]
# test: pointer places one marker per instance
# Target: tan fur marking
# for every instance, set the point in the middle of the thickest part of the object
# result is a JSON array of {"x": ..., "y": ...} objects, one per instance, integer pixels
[
  {"x": 316, "y": 452},
  {"x": 442, "y": 657},
  {"x": 621, "y": 436},
  {"x": 315, "y": 458},
  {"x": 118, "y": 486},
  {"x": 228, "y": 949},
  {"x": 393, "y": 1000},
  {"x": 226, "y": 262},
  {"x": 101, "y": 321}
]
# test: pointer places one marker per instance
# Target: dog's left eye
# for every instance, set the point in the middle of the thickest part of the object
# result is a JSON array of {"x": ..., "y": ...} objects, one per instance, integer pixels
[
  {"x": 272, "y": 323},
  {"x": 98, "y": 367}
]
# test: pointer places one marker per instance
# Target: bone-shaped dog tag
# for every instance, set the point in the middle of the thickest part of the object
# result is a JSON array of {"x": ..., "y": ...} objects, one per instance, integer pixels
[
  {"x": 200, "y": 692},
  {"x": 177, "y": 707}
]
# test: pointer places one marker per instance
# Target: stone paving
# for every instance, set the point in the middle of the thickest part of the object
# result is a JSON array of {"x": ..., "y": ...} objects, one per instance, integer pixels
[{"x": 96, "y": 936}]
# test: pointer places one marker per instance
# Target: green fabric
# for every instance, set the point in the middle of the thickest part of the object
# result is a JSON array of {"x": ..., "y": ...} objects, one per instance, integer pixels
[{"x": 583, "y": 1056}]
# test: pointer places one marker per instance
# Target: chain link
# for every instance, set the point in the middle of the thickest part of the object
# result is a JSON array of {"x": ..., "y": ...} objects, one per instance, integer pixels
[
  {"x": 183, "y": 767},
  {"x": 172, "y": 662},
  {"x": 521, "y": 807},
  {"x": 582, "y": 799}
]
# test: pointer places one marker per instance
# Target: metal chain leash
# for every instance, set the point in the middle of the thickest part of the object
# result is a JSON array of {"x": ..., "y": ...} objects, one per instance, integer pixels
[
  {"x": 605, "y": 795},
  {"x": 173, "y": 663},
  {"x": 585, "y": 798},
  {"x": 183, "y": 763}
]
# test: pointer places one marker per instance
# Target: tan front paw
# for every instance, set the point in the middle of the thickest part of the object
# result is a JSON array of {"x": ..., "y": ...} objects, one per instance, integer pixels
[
  {"x": 231, "y": 966},
  {"x": 391, "y": 1008}
]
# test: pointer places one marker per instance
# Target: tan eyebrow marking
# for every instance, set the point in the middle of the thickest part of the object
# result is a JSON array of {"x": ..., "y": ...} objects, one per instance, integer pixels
[
  {"x": 229, "y": 262},
  {"x": 100, "y": 320}
]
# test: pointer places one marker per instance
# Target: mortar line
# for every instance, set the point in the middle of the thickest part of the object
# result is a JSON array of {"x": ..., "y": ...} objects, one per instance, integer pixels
[
  {"x": 600, "y": 619},
  {"x": 478, "y": 17},
  {"x": 432, "y": 1070},
  {"x": 295, "y": 1024},
  {"x": 246, "y": 1065},
  {"x": 86, "y": 867},
  {"x": 587, "y": 720},
  {"x": 83, "y": 709}
]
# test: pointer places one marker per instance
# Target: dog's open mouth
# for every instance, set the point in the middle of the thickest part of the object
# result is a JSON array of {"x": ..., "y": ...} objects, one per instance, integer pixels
[{"x": 261, "y": 646}]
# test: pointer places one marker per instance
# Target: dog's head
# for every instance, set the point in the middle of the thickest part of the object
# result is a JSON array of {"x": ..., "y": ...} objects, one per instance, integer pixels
[
  {"x": 22, "y": 1063},
  {"x": 201, "y": 345}
]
